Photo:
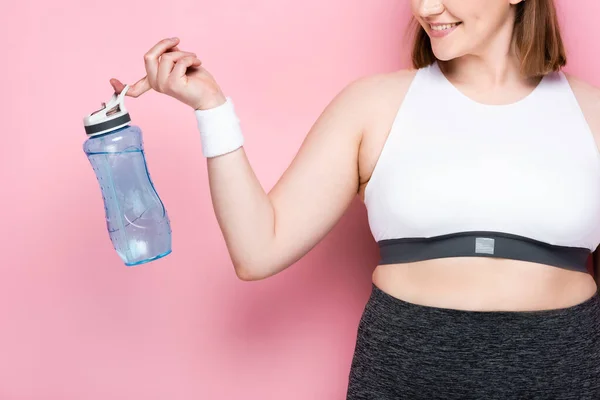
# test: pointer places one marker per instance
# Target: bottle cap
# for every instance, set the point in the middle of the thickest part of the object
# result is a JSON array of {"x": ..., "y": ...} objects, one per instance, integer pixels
[{"x": 113, "y": 115}]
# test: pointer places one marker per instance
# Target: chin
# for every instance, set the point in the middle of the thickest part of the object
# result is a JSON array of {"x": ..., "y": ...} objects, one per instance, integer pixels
[
  {"x": 444, "y": 57},
  {"x": 446, "y": 53}
]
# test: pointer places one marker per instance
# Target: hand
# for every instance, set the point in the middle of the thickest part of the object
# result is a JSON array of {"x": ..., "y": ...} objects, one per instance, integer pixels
[{"x": 178, "y": 74}]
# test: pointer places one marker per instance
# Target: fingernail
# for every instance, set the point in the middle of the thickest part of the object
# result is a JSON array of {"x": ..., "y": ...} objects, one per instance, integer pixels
[{"x": 173, "y": 39}]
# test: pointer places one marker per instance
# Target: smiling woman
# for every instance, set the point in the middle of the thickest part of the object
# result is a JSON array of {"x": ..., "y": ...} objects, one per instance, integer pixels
[{"x": 480, "y": 172}]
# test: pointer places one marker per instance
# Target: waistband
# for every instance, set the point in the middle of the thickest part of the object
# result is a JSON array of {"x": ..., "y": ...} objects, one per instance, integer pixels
[
  {"x": 483, "y": 244},
  {"x": 400, "y": 311}
]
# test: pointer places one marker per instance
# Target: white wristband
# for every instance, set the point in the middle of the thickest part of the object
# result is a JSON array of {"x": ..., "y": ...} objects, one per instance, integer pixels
[{"x": 220, "y": 130}]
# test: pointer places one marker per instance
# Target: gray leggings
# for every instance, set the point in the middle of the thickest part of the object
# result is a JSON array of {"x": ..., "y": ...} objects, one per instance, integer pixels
[{"x": 410, "y": 351}]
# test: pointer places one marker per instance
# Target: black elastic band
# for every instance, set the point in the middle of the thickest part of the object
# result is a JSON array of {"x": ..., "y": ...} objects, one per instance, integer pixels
[{"x": 483, "y": 244}]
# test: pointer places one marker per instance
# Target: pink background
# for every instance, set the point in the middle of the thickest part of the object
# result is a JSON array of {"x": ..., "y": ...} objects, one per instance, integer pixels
[{"x": 75, "y": 322}]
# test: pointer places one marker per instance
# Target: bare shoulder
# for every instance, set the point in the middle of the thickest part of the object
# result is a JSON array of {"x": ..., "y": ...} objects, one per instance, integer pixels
[
  {"x": 361, "y": 102},
  {"x": 373, "y": 91},
  {"x": 583, "y": 86},
  {"x": 588, "y": 97}
]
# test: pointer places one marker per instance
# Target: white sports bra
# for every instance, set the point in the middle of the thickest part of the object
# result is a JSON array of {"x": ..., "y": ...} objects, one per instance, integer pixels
[{"x": 461, "y": 178}]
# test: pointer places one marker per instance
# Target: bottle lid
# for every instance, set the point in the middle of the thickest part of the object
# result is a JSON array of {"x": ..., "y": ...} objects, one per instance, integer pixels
[{"x": 113, "y": 115}]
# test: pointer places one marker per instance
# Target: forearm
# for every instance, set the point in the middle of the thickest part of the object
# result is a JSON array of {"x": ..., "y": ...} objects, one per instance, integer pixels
[{"x": 243, "y": 211}]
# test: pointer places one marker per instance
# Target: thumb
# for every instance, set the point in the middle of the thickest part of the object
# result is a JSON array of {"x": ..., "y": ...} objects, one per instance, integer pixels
[{"x": 181, "y": 66}]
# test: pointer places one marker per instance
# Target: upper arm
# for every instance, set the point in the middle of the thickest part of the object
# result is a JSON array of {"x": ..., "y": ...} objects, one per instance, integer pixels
[
  {"x": 588, "y": 98},
  {"x": 322, "y": 180}
]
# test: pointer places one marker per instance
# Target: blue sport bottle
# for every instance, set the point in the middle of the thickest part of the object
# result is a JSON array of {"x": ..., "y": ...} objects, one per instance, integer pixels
[{"x": 136, "y": 218}]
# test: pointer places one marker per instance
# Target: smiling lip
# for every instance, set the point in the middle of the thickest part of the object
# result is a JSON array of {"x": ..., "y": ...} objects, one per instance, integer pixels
[{"x": 443, "y": 32}]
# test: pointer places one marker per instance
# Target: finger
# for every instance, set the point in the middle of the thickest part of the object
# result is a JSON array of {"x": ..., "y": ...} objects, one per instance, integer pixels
[
  {"x": 139, "y": 88},
  {"x": 183, "y": 64},
  {"x": 135, "y": 90},
  {"x": 152, "y": 56},
  {"x": 167, "y": 61}
]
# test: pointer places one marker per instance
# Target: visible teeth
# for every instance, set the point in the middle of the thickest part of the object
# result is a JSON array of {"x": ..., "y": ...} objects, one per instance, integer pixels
[{"x": 443, "y": 27}]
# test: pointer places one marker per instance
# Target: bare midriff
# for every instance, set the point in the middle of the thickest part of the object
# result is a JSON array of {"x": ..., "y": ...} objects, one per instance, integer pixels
[{"x": 484, "y": 284}]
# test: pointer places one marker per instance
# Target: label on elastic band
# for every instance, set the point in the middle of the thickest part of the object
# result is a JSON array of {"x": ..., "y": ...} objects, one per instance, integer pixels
[{"x": 484, "y": 245}]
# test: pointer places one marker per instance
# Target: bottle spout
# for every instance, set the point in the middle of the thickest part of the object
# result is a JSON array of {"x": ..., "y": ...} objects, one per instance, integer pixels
[{"x": 111, "y": 116}]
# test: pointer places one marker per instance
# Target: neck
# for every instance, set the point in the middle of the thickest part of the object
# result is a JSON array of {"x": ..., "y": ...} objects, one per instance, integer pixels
[{"x": 493, "y": 65}]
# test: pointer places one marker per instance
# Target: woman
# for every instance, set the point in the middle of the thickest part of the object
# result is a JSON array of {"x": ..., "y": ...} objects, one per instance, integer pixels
[{"x": 481, "y": 175}]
